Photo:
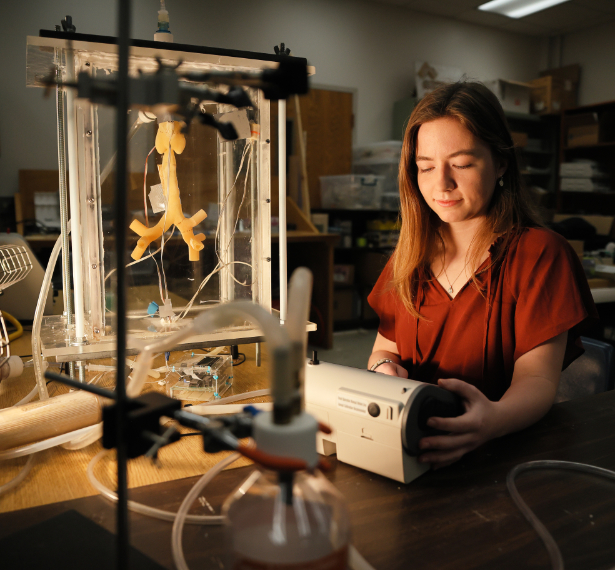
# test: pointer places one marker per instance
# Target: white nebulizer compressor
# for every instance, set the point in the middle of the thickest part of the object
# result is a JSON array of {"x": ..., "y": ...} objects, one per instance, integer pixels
[{"x": 376, "y": 420}]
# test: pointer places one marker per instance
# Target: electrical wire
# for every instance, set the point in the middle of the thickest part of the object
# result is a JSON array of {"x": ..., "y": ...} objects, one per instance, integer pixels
[
  {"x": 246, "y": 151},
  {"x": 240, "y": 361},
  {"x": 147, "y": 219},
  {"x": 132, "y": 263},
  {"x": 166, "y": 209},
  {"x": 221, "y": 264}
]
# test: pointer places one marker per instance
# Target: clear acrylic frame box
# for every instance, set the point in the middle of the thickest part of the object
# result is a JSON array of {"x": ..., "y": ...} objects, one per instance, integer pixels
[{"x": 228, "y": 181}]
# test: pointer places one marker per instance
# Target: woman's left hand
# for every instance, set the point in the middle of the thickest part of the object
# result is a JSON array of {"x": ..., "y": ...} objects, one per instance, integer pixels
[{"x": 467, "y": 431}]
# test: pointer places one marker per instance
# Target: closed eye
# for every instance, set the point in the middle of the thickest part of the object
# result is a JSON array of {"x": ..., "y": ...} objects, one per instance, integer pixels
[
  {"x": 426, "y": 169},
  {"x": 463, "y": 166}
]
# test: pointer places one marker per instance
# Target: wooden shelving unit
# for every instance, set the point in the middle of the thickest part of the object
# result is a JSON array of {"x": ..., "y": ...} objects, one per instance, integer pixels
[
  {"x": 539, "y": 159},
  {"x": 602, "y": 151}
]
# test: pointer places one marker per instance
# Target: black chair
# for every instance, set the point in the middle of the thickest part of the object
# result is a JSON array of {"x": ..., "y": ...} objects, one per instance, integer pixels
[{"x": 591, "y": 373}]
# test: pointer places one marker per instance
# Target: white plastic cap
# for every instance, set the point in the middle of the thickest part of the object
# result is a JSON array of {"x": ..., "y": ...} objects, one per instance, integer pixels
[
  {"x": 15, "y": 365},
  {"x": 296, "y": 439}
]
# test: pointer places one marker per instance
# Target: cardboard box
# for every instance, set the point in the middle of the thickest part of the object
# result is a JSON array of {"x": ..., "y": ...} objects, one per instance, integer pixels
[
  {"x": 549, "y": 96},
  {"x": 321, "y": 221},
  {"x": 569, "y": 76},
  {"x": 519, "y": 139},
  {"x": 582, "y": 130},
  {"x": 513, "y": 95},
  {"x": 343, "y": 274},
  {"x": 577, "y": 245},
  {"x": 343, "y": 305},
  {"x": 604, "y": 224},
  {"x": 556, "y": 89},
  {"x": 600, "y": 282}
]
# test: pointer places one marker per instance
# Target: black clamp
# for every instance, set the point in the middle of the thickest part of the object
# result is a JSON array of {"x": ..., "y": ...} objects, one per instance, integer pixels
[
  {"x": 143, "y": 429},
  {"x": 281, "y": 49},
  {"x": 142, "y": 422},
  {"x": 68, "y": 26},
  {"x": 220, "y": 433}
]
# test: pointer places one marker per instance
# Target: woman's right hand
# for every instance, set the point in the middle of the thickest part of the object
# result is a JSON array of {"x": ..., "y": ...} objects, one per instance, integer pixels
[{"x": 392, "y": 369}]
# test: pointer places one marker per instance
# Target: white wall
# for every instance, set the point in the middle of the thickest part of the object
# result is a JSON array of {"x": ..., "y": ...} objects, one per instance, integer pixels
[
  {"x": 594, "y": 49},
  {"x": 353, "y": 44}
]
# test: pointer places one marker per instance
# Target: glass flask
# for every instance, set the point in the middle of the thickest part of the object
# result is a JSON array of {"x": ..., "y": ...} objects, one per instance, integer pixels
[{"x": 278, "y": 521}]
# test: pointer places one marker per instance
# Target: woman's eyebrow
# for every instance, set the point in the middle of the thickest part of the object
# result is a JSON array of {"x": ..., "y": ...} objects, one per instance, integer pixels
[{"x": 467, "y": 152}]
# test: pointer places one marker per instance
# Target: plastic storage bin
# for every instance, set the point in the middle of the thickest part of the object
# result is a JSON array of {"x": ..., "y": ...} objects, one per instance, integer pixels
[
  {"x": 381, "y": 159},
  {"x": 380, "y": 152},
  {"x": 351, "y": 192}
]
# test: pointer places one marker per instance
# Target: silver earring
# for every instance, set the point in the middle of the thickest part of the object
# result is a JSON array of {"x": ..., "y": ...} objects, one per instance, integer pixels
[{"x": 502, "y": 181}]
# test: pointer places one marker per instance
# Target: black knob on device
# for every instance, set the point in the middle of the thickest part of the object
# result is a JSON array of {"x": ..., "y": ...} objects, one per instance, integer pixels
[{"x": 427, "y": 401}]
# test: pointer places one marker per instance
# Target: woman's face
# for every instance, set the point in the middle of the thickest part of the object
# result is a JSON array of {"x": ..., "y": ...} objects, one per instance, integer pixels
[{"x": 457, "y": 173}]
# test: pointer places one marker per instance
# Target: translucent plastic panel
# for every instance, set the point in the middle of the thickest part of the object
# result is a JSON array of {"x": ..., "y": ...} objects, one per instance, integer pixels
[{"x": 198, "y": 219}]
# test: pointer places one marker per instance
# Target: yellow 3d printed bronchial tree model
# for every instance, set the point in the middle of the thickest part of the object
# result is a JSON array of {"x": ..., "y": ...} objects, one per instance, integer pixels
[{"x": 170, "y": 141}]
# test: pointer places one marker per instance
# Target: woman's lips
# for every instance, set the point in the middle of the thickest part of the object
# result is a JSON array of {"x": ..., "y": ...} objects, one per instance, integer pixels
[{"x": 447, "y": 203}]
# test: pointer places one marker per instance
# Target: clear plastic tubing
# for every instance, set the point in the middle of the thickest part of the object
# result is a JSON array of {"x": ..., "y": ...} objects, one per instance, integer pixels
[
  {"x": 75, "y": 206},
  {"x": 37, "y": 322},
  {"x": 213, "y": 319},
  {"x": 20, "y": 476},
  {"x": 228, "y": 409},
  {"x": 143, "y": 363},
  {"x": 85, "y": 439},
  {"x": 356, "y": 561},
  {"x": 45, "y": 444},
  {"x": 151, "y": 511},
  {"x": 280, "y": 346},
  {"x": 178, "y": 525},
  {"x": 300, "y": 293},
  {"x": 555, "y": 554},
  {"x": 282, "y": 206},
  {"x": 29, "y": 397},
  {"x": 230, "y": 399}
]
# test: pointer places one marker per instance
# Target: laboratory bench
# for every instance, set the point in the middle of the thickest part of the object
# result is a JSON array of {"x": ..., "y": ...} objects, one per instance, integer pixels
[{"x": 458, "y": 517}]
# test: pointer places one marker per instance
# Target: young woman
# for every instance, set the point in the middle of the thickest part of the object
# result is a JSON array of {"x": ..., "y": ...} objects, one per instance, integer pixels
[{"x": 477, "y": 297}]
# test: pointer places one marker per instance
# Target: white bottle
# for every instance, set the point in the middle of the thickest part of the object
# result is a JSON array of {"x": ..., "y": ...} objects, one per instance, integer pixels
[
  {"x": 285, "y": 521},
  {"x": 163, "y": 33}
]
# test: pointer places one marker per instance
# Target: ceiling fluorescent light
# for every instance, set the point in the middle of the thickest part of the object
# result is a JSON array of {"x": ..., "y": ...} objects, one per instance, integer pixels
[{"x": 518, "y": 8}]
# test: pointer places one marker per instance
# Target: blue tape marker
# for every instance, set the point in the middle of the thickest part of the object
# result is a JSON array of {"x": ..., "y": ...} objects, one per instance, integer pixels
[{"x": 252, "y": 410}]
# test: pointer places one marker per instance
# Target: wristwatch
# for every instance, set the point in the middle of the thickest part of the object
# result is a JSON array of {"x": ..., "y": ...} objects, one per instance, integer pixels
[{"x": 379, "y": 362}]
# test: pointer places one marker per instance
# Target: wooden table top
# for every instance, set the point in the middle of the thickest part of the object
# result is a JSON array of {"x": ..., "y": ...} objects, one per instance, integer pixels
[
  {"x": 60, "y": 474},
  {"x": 458, "y": 517}
]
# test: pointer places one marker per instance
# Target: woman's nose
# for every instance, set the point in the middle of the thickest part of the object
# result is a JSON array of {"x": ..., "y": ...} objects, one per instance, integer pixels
[{"x": 444, "y": 179}]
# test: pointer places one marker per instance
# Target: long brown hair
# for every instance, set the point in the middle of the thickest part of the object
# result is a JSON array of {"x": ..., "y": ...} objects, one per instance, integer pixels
[{"x": 511, "y": 208}]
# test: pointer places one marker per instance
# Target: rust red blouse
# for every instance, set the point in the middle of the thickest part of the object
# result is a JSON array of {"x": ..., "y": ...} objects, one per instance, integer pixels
[{"x": 537, "y": 291}]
